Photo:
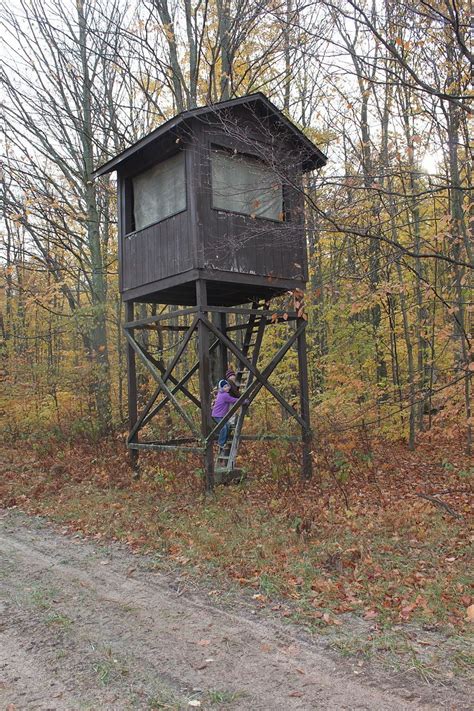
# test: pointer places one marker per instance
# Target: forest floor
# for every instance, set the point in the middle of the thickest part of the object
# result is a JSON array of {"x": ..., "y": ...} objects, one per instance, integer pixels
[{"x": 352, "y": 591}]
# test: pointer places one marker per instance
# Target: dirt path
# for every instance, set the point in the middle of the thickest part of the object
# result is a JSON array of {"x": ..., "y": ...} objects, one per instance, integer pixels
[{"x": 84, "y": 626}]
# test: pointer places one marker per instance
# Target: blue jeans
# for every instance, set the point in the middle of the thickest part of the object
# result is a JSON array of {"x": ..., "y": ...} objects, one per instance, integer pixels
[{"x": 223, "y": 433}]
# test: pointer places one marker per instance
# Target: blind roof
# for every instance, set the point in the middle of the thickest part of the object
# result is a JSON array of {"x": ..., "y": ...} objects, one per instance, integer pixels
[{"x": 313, "y": 156}]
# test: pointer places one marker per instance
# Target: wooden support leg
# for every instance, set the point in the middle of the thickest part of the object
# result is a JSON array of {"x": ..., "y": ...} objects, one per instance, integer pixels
[
  {"x": 223, "y": 359},
  {"x": 132, "y": 389},
  {"x": 205, "y": 383},
  {"x": 307, "y": 468}
]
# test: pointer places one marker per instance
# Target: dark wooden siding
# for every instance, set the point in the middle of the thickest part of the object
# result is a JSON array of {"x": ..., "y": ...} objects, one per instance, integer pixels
[
  {"x": 239, "y": 243},
  {"x": 156, "y": 252},
  {"x": 257, "y": 246}
]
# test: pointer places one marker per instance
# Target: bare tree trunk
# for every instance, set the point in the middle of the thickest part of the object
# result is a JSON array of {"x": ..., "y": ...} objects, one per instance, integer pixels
[
  {"x": 176, "y": 75},
  {"x": 223, "y": 34},
  {"x": 459, "y": 237},
  {"x": 98, "y": 278}
]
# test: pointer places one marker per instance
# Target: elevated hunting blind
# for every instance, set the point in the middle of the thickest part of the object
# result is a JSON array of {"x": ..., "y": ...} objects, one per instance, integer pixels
[{"x": 211, "y": 218}]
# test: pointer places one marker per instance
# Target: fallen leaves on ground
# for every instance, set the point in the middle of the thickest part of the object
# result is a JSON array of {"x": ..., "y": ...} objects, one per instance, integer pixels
[{"x": 368, "y": 546}]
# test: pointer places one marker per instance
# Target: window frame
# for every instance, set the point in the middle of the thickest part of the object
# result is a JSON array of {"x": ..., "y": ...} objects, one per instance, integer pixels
[
  {"x": 228, "y": 150},
  {"x": 130, "y": 229}
]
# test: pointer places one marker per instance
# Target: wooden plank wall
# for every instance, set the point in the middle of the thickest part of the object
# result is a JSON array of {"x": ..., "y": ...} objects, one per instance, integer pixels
[
  {"x": 156, "y": 252},
  {"x": 240, "y": 243}
]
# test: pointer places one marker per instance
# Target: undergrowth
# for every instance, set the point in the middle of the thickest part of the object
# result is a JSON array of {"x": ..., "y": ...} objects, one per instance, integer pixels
[{"x": 378, "y": 550}]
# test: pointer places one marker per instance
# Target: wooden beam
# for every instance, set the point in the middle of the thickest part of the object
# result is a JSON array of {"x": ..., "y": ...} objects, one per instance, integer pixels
[
  {"x": 154, "y": 371},
  {"x": 182, "y": 347},
  {"x": 161, "y": 327},
  {"x": 165, "y": 375},
  {"x": 254, "y": 389},
  {"x": 131, "y": 386},
  {"x": 159, "y": 317},
  {"x": 159, "y": 364},
  {"x": 204, "y": 382},
  {"x": 236, "y": 327},
  {"x": 223, "y": 359},
  {"x": 179, "y": 386},
  {"x": 291, "y": 315},
  {"x": 164, "y": 447},
  {"x": 269, "y": 438},
  {"x": 261, "y": 377},
  {"x": 307, "y": 468},
  {"x": 174, "y": 440}
]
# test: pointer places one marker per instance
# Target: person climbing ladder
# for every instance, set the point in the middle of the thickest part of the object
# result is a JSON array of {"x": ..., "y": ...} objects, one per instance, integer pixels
[{"x": 221, "y": 407}]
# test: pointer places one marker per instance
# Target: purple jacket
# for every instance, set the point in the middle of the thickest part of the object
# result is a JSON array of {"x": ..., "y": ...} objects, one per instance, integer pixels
[{"x": 223, "y": 403}]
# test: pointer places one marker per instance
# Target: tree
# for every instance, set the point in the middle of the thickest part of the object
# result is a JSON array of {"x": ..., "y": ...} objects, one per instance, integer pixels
[{"x": 55, "y": 125}]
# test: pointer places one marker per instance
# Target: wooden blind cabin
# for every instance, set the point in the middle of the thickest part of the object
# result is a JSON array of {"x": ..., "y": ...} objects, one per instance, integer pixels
[
  {"x": 211, "y": 215},
  {"x": 244, "y": 250}
]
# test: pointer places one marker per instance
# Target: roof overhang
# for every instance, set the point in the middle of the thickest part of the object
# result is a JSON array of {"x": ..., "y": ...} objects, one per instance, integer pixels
[{"x": 314, "y": 158}]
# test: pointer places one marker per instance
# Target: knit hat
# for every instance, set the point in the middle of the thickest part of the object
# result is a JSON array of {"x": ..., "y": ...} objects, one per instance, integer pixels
[
  {"x": 230, "y": 373},
  {"x": 222, "y": 384}
]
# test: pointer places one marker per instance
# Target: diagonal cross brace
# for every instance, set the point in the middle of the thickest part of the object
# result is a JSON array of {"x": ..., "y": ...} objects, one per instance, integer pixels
[
  {"x": 179, "y": 385},
  {"x": 154, "y": 371},
  {"x": 260, "y": 377},
  {"x": 161, "y": 367},
  {"x": 165, "y": 377}
]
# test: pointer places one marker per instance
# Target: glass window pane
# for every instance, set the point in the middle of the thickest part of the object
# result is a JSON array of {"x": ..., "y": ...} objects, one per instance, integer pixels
[
  {"x": 159, "y": 192},
  {"x": 243, "y": 184}
]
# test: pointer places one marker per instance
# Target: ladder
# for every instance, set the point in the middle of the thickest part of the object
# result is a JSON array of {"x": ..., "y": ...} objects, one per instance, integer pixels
[{"x": 253, "y": 337}]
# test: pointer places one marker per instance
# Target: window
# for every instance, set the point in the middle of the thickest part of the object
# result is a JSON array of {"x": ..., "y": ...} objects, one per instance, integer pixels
[
  {"x": 159, "y": 192},
  {"x": 246, "y": 185}
]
